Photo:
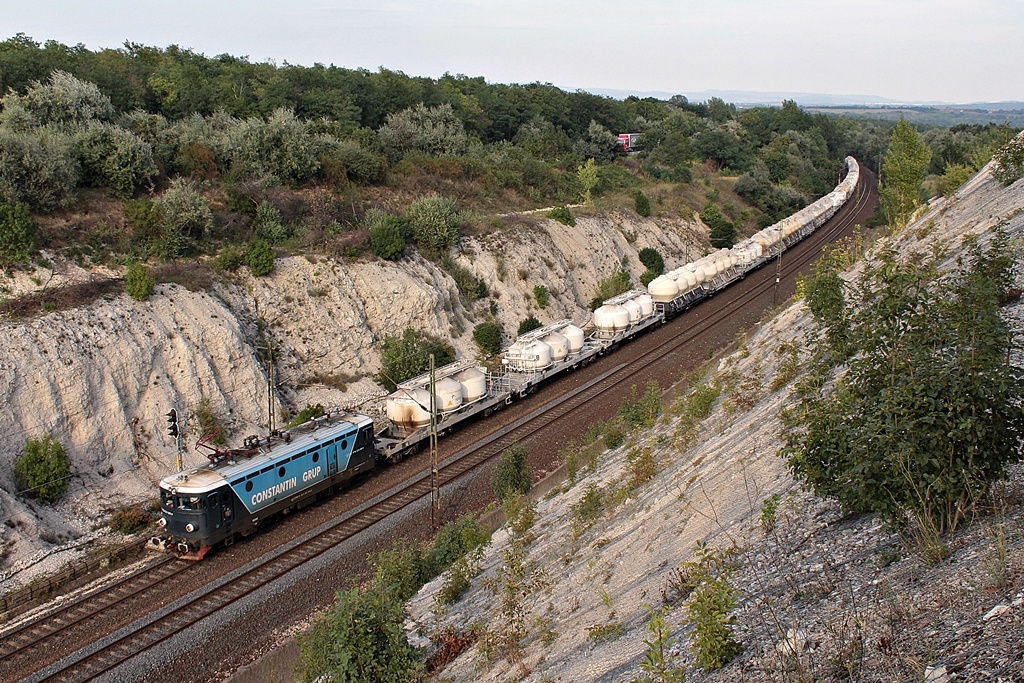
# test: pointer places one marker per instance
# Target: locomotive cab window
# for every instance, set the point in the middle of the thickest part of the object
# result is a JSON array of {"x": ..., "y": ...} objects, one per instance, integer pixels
[{"x": 191, "y": 503}]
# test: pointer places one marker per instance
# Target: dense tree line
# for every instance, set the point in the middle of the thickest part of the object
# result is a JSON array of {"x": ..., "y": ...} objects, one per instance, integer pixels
[{"x": 216, "y": 153}]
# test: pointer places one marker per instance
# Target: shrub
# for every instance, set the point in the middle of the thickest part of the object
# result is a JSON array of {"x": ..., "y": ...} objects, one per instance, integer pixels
[
  {"x": 468, "y": 284},
  {"x": 611, "y": 286},
  {"x": 260, "y": 258},
  {"x": 229, "y": 259},
  {"x": 512, "y": 474},
  {"x": 184, "y": 215},
  {"x": 306, "y": 414},
  {"x": 723, "y": 233},
  {"x": 113, "y": 157},
  {"x": 588, "y": 509},
  {"x": 386, "y": 239},
  {"x": 880, "y": 441},
  {"x": 709, "y": 608},
  {"x": 407, "y": 356},
  {"x": 361, "y": 639},
  {"x": 211, "y": 422},
  {"x": 487, "y": 336},
  {"x": 269, "y": 224},
  {"x": 1009, "y": 161},
  {"x": 653, "y": 260},
  {"x": 38, "y": 171},
  {"x": 139, "y": 281},
  {"x": 454, "y": 540},
  {"x": 130, "y": 520},
  {"x": 18, "y": 232},
  {"x": 528, "y": 324},
  {"x": 401, "y": 570},
  {"x": 562, "y": 215},
  {"x": 435, "y": 223},
  {"x": 542, "y": 295},
  {"x": 43, "y": 469},
  {"x": 642, "y": 204},
  {"x": 641, "y": 411}
]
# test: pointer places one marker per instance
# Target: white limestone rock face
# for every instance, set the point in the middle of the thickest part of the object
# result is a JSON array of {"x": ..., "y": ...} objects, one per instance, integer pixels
[{"x": 101, "y": 378}]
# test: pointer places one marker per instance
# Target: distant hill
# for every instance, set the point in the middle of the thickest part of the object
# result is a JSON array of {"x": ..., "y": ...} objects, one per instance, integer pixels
[{"x": 867, "y": 106}]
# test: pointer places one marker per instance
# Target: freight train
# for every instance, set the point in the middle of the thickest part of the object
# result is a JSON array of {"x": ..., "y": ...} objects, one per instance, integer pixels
[{"x": 241, "y": 489}]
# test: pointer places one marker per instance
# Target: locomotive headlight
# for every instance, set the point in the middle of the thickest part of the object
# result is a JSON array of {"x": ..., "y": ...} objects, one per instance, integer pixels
[
  {"x": 190, "y": 527},
  {"x": 163, "y": 521}
]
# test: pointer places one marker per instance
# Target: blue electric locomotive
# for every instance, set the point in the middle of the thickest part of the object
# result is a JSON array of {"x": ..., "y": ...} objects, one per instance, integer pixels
[{"x": 240, "y": 489}]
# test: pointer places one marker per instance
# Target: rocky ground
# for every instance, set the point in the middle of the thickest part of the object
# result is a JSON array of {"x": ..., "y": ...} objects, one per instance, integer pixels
[{"x": 819, "y": 596}]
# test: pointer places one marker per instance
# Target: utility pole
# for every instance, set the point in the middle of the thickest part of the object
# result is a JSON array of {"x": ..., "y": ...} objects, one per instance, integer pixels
[
  {"x": 271, "y": 422},
  {"x": 435, "y": 492}
]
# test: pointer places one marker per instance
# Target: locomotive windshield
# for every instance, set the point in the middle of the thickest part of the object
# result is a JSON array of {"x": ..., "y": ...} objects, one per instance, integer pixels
[{"x": 172, "y": 501}]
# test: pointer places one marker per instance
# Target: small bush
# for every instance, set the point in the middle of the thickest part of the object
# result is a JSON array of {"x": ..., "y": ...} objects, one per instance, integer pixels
[
  {"x": 542, "y": 295},
  {"x": 710, "y": 606},
  {"x": 260, "y": 258},
  {"x": 18, "y": 232},
  {"x": 488, "y": 336},
  {"x": 642, "y": 467},
  {"x": 130, "y": 520},
  {"x": 386, "y": 239},
  {"x": 588, "y": 509},
  {"x": 529, "y": 324},
  {"x": 512, "y": 474},
  {"x": 435, "y": 223},
  {"x": 642, "y": 204},
  {"x": 361, "y": 639},
  {"x": 43, "y": 470},
  {"x": 139, "y": 281},
  {"x": 306, "y": 414},
  {"x": 562, "y": 215},
  {"x": 229, "y": 259},
  {"x": 653, "y": 260},
  {"x": 211, "y": 423}
]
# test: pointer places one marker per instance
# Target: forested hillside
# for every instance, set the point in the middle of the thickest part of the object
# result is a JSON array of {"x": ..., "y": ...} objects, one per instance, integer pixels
[{"x": 193, "y": 155}]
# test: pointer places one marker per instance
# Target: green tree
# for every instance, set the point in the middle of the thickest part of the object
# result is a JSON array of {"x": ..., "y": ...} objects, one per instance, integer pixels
[
  {"x": 139, "y": 281},
  {"x": 927, "y": 414},
  {"x": 487, "y": 336},
  {"x": 260, "y": 258},
  {"x": 902, "y": 174},
  {"x": 1009, "y": 161},
  {"x": 43, "y": 470},
  {"x": 512, "y": 473},
  {"x": 955, "y": 176},
  {"x": 588, "y": 178},
  {"x": 723, "y": 232},
  {"x": 18, "y": 232},
  {"x": 407, "y": 356},
  {"x": 360, "y": 641}
]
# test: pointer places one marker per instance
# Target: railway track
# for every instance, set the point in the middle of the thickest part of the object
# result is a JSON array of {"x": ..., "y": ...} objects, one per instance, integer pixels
[{"x": 106, "y": 654}]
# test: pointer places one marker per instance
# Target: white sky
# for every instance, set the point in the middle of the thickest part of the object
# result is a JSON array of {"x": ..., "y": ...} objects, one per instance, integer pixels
[{"x": 911, "y": 50}]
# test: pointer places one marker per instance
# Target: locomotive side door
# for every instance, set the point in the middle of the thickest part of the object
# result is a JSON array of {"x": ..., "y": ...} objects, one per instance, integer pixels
[{"x": 331, "y": 453}]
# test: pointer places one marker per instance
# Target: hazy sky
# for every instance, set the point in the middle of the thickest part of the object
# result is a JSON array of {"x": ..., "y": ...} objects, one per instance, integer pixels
[{"x": 962, "y": 51}]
